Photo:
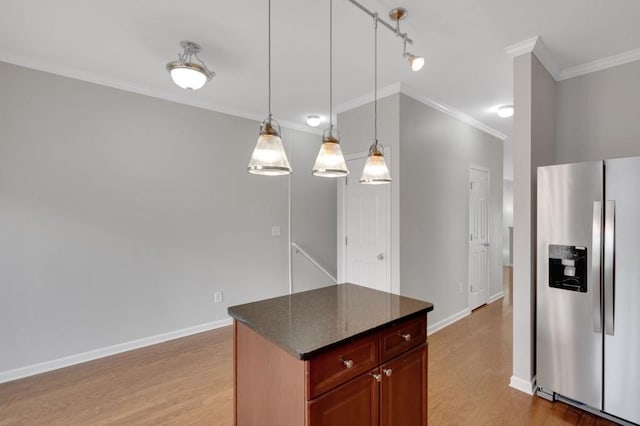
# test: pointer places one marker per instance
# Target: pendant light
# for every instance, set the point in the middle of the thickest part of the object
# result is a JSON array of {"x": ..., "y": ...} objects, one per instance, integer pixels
[
  {"x": 269, "y": 157},
  {"x": 330, "y": 161},
  {"x": 375, "y": 169}
]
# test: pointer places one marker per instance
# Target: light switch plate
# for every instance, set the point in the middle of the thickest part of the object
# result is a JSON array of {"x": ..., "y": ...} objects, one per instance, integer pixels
[{"x": 275, "y": 231}]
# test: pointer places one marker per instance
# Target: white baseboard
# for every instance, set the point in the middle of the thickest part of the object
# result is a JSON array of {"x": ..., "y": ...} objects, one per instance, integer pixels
[
  {"x": 43, "y": 367},
  {"x": 526, "y": 386},
  {"x": 448, "y": 321},
  {"x": 495, "y": 297}
]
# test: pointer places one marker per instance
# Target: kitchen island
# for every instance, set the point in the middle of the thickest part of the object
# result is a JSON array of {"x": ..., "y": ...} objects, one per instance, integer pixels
[{"x": 339, "y": 355}]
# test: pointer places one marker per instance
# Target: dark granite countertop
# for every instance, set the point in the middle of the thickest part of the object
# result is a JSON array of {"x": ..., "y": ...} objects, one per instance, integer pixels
[{"x": 306, "y": 323}]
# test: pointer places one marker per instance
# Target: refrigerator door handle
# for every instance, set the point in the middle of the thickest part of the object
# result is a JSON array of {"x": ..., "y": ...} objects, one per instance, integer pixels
[
  {"x": 609, "y": 266},
  {"x": 596, "y": 261}
]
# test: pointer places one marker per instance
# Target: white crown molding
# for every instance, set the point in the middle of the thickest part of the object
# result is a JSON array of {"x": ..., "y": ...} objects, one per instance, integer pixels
[
  {"x": 600, "y": 64},
  {"x": 522, "y": 47},
  {"x": 43, "y": 367},
  {"x": 536, "y": 46},
  {"x": 89, "y": 77},
  {"x": 383, "y": 92},
  {"x": 457, "y": 114},
  {"x": 412, "y": 93}
]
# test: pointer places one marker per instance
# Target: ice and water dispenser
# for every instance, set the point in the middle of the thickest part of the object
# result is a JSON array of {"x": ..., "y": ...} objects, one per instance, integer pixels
[{"x": 568, "y": 267}]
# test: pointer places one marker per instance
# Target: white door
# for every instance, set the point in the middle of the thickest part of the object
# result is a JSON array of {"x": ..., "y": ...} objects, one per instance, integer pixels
[
  {"x": 366, "y": 231},
  {"x": 478, "y": 237}
]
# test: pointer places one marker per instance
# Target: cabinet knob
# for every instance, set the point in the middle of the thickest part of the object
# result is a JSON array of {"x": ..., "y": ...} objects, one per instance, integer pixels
[
  {"x": 387, "y": 372},
  {"x": 406, "y": 337},
  {"x": 347, "y": 363},
  {"x": 377, "y": 377}
]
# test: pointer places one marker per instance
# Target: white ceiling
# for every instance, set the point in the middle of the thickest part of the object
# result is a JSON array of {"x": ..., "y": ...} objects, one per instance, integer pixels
[{"x": 126, "y": 44}]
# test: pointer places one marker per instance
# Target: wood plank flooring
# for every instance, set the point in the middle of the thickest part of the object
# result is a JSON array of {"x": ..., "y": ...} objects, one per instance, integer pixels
[{"x": 189, "y": 382}]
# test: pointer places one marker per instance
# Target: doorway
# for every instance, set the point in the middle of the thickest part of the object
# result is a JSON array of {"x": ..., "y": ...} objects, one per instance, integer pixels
[
  {"x": 478, "y": 237},
  {"x": 364, "y": 237}
]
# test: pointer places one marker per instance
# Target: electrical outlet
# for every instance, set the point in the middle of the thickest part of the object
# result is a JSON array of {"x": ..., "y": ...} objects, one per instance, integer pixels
[
  {"x": 460, "y": 288},
  {"x": 217, "y": 297}
]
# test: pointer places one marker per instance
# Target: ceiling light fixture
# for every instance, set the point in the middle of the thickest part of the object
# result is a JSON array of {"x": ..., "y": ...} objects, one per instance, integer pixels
[
  {"x": 186, "y": 73},
  {"x": 505, "y": 111},
  {"x": 313, "y": 120},
  {"x": 268, "y": 157},
  {"x": 375, "y": 169},
  {"x": 415, "y": 62},
  {"x": 330, "y": 161}
]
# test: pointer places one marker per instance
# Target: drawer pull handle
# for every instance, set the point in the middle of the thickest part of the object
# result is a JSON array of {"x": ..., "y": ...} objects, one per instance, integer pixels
[
  {"x": 406, "y": 337},
  {"x": 347, "y": 363},
  {"x": 387, "y": 372},
  {"x": 377, "y": 377}
]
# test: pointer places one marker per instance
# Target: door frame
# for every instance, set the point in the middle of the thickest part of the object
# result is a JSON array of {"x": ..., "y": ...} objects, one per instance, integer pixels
[
  {"x": 342, "y": 221},
  {"x": 489, "y": 223}
]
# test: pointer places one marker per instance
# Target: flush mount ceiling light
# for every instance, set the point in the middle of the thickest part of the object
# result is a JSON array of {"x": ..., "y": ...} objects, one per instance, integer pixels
[
  {"x": 269, "y": 157},
  {"x": 375, "y": 170},
  {"x": 186, "y": 73},
  {"x": 330, "y": 161},
  {"x": 505, "y": 111},
  {"x": 313, "y": 120}
]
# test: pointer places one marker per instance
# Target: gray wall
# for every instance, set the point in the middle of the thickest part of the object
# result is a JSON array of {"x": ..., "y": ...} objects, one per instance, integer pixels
[
  {"x": 597, "y": 115},
  {"x": 356, "y": 129},
  {"x": 436, "y": 152},
  {"x": 431, "y": 154},
  {"x": 507, "y": 220},
  {"x": 313, "y": 202},
  {"x": 534, "y": 127},
  {"x": 121, "y": 214}
]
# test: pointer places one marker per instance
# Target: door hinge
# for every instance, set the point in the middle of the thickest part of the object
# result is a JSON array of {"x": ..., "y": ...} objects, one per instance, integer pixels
[
  {"x": 470, "y": 237},
  {"x": 470, "y": 185},
  {"x": 346, "y": 240}
]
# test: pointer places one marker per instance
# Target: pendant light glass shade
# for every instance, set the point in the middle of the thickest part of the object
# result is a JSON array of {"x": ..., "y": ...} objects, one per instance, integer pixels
[
  {"x": 330, "y": 161},
  {"x": 375, "y": 170},
  {"x": 269, "y": 157}
]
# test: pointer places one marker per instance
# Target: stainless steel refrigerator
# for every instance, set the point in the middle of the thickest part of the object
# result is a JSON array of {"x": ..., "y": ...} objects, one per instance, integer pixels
[{"x": 588, "y": 285}]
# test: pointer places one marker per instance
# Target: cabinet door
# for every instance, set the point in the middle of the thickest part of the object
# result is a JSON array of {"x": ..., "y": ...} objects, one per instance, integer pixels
[
  {"x": 403, "y": 390},
  {"x": 355, "y": 403}
]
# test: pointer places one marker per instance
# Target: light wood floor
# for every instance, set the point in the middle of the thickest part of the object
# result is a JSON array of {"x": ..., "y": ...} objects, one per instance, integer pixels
[{"x": 189, "y": 382}]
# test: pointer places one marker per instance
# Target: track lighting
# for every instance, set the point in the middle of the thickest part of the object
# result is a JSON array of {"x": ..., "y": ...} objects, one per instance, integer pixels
[
  {"x": 268, "y": 157},
  {"x": 415, "y": 62},
  {"x": 330, "y": 161},
  {"x": 397, "y": 14},
  {"x": 186, "y": 73}
]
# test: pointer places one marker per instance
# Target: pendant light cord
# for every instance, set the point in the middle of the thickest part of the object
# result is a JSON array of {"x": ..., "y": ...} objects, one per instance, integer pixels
[
  {"x": 269, "y": 50},
  {"x": 375, "y": 78},
  {"x": 330, "y": 67}
]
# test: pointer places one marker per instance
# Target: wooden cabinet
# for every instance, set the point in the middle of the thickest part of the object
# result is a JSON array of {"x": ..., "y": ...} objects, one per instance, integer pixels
[
  {"x": 378, "y": 379},
  {"x": 403, "y": 389}
]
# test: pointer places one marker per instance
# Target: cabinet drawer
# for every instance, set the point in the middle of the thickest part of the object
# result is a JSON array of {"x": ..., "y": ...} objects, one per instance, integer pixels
[
  {"x": 401, "y": 337},
  {"x": 338, "y": 365}
]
